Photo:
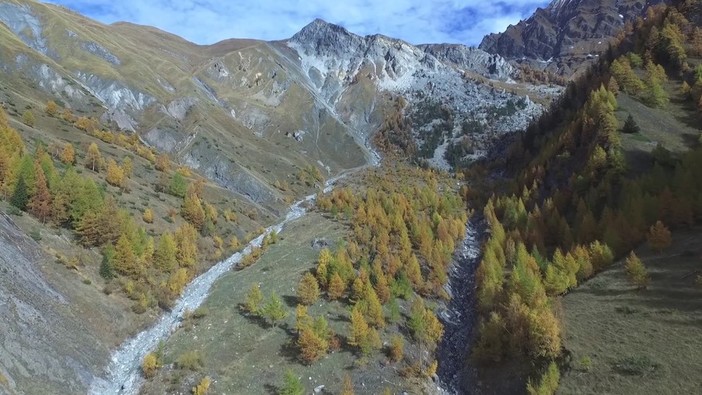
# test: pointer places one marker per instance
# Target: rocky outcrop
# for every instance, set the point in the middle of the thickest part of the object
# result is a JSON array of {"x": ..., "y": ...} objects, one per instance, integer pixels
[{"x": 472, "y": 59}]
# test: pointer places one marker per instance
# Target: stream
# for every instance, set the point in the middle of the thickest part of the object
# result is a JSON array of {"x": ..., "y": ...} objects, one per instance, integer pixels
[
  {"x": 459, "y": 315},
  {"x": 124, "y": 371}
]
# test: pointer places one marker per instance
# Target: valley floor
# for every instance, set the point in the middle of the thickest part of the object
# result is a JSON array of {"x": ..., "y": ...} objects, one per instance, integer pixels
[{"x": 243, "y": 354}]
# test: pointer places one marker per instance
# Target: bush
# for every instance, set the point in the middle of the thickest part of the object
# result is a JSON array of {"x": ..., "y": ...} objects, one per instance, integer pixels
[
  {"x": 202, "y": 387},
  {"x": 149, "y": 365},
  {"x": 191, "y": 360},
  {"x": 547, "y": 384},
  {"x": 291, "y": 385},
  {"x": 630, "y": 125},
  {"x": 35, "y": 234}
]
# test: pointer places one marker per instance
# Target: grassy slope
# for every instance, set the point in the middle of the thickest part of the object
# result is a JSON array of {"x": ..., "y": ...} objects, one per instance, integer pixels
[
  {"x": 657, "y": 332},
  {"x": 244, "y": 355}
]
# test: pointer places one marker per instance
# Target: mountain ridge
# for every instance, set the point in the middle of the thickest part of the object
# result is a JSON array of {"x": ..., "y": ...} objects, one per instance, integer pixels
[{"x": 567, "y": 34}]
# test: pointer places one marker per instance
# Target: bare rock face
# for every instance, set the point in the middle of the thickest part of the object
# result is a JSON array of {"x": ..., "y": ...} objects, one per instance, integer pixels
[
  {"x": 472, "y": 59},
  {"x": 433, "y": 79},
  {"x": 566, "y": 29}
]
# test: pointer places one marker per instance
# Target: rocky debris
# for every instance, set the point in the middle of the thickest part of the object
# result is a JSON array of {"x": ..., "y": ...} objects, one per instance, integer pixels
[
  {"x": 472, "y": 59},
  {"x": 298, "y": 135},
  {"x": 44, "y": 348},
  {"x": 320, "y": 243},
  {"x": 51, "y": 81},
  {"x": 98, "y": 50},
  {"x": 21, "y": 20},
  {"x": 458, "y": 315},
  {"x": 179, "y": 108},
  {"x": 115, "y": 94}
]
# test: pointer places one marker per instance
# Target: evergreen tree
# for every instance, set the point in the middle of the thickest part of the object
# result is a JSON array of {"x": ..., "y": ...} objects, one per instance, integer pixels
[
  {"x": 20, "y": 196},
  {"x": 106, "y": 266},
  {"x": 630, "y": 125},
  {"x": 178, "y": 186}
]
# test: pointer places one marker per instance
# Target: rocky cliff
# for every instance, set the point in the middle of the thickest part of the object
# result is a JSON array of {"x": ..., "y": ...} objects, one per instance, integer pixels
[{"x": 566, "y": 33}]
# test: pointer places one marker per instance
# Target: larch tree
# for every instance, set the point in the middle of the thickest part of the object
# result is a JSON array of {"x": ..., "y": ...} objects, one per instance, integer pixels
[
  {"x": 93, "y": 157},
  {"x": 51, "y": 108},
  {"x": 115, "y": 175},
  {"x": 254, "y": 298},
  {"x": 68, "y": 155},
  {"x": 337, "y": 287},
  {"x": 347, "y": 386},
  {"x": 40, "y": 203},
  {"x": 148, "y": 216},
  {"x": 165, "y": 254},
  {"x": 186, "y": 240},
  {"x": 308, "y": 289},
  {"x": 192, "y": 211},
  {"x": 274, "y": 310},
  {"x": 659, "y": 237},
  {"x": 637, "y": 271},
  {"x": 28, "y": 118},
  {"x": 312, "y": 345},
  {"x": 125, "y": 261}
]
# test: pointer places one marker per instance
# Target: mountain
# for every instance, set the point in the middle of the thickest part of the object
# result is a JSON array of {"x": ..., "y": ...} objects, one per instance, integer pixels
[
  {"x": 313, "y": 94},
  {"x": 566, "y": 34},
  {"x": 255, "y": 124}
]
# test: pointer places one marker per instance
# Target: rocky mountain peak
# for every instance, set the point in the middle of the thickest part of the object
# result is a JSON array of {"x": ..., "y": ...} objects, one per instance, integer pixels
[
  {"x": 323, "y": 36},
  {"x": 565, "y": 34}
]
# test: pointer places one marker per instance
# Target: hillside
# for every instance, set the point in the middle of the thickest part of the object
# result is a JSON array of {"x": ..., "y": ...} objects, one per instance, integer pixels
[{"x": 566, "y": 289}]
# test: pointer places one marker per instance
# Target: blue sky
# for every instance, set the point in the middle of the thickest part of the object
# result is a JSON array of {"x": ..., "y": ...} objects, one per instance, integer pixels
[{"x": 416, "y": 21}]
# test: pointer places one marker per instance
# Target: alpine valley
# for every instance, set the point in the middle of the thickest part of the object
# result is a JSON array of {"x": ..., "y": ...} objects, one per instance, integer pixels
[{"x": 336, "y": 213}]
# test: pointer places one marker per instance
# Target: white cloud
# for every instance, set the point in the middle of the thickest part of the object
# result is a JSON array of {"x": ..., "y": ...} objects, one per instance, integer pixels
[{"x": 416, "y": 21}]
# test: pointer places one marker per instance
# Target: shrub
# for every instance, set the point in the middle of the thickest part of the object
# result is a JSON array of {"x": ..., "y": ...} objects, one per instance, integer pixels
[
  {"x": 637, "y": 271},
  {"x": 150, "y": 365},
  {"x": 547, "y": 384},
  {"x": 202, "y": 387},
  {"x": 291, "y": 385},
  {"x": 191, "y": 360}
]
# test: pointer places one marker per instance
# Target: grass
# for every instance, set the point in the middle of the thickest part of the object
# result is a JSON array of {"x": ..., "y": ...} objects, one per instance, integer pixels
[{"x": 638, "y": 342}]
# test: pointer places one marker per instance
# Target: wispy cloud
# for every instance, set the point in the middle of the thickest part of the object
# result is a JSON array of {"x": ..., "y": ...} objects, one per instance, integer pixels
[{"x": 416, "y": 21}]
